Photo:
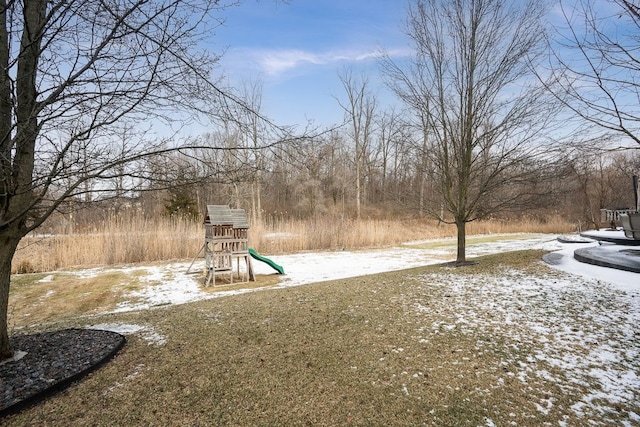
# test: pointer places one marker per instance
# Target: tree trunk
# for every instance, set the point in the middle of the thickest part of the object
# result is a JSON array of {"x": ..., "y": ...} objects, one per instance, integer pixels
[
  {"x": 8, "y": 245},
  {"x": 421, "y": 202},
  {"x": 18, "y": 197},
  {"x": 258, "y": 200},
  {"x": 636, "y": 193},
  {"x": 236, "y": 193},
  {"x": 461, "y": 226},
  {"x": 254, "y": 212},
  {"x": 358, "y": 189}
]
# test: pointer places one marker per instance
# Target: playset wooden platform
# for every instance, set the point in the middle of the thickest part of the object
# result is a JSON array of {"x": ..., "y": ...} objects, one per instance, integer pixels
[{"x": 226, "y": 245}]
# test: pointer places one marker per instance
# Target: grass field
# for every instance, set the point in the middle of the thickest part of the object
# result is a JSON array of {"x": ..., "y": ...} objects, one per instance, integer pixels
[
  {"x": 505, "y": 342},
  {"x": 134, "y": 239}
]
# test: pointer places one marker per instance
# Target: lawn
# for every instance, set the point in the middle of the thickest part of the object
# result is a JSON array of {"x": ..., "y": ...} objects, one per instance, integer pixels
[{"x": 505, "y": 342}]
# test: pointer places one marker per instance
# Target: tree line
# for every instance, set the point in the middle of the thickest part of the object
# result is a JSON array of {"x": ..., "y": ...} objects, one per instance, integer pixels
[
  {"x": 317, "y": 176},
  {"x": 484, "y": 129}
]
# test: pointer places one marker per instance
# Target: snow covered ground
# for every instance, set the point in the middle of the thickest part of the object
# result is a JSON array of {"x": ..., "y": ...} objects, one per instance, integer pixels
[
  {"x": 581, "y": 320},
  {"x": 170, "y": 283}
]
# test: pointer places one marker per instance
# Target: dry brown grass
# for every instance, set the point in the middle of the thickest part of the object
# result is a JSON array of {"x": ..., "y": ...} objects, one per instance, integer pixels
[
  {"x": 327, "y": 233},
  {"x": 41, "y": 299},
  {"x": 115, "y": 241},
  {"x": 138, "y": 240},
  {"x": 346, "y": 352}
]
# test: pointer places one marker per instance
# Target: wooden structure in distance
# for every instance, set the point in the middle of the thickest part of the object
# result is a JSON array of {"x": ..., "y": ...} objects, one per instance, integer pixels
[{"x": 226, "y": 245}]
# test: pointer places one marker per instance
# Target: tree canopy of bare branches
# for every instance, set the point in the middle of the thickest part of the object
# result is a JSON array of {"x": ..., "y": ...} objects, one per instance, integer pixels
[
  {"x": 82, "y": 82},
  {"x": 477, "y": 102},
  {"x": 595, "y": 65},
  {"x": 359, "y": 110}
]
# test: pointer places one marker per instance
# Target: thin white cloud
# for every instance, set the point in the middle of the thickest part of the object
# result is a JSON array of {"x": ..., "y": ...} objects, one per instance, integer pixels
[{"x": 274, "y": 63}]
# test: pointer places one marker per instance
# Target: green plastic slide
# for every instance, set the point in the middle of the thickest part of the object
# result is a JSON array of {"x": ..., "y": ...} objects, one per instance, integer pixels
[{"x": 272, "y": 264}]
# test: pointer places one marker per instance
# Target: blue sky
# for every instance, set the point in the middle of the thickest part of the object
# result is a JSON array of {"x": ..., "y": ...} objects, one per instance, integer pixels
[{"x": 296, "y": 50}]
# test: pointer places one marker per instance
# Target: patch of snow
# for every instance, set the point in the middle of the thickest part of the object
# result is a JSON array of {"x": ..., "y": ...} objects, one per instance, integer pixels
[
  {"x": 585, "y": 331},
  {"x": 147, "y": 333},
  {"x": 119, "y": 328},
  {"x": 545, "y": 405},
  {"x": 137, "y": 370},
  {"x": 405, "y": 390},
  {"x": 169, "y": 284},
  {"x": 623, "y": 280},
  {"x": 154, "y": 338}
]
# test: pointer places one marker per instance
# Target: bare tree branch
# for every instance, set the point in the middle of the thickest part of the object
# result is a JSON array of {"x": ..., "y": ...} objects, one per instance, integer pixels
[{"x": 483, "y": 115}]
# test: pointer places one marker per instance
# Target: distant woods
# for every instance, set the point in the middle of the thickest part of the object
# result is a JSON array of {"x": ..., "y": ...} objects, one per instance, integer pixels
[
  {"x": 472, "y": 137},
  {"x": 317, "y": 177}
]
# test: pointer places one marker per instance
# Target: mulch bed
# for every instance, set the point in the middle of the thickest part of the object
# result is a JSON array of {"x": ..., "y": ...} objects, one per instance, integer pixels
[{"x": 53, "y": 360}]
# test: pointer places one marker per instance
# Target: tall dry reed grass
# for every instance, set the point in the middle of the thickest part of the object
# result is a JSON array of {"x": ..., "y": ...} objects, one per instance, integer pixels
[
  {"x": 115, "y": 241},
  {"x": 135, "y": 239}
]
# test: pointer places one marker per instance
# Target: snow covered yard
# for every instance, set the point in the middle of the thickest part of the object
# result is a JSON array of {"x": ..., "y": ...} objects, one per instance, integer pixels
[
  {"x": 581, "y": 336},
  {"x": 169, "y": 284},
  {"x": 514, "y": 344}
]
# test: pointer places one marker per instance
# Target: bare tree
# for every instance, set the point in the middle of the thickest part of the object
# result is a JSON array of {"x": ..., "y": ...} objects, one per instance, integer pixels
[
  {"x": 256, "y": 131},
  {"x": 481, "y": 110},
  {"x": 359, "y": 110},
  {"x": 75, "y": 75},
  {"x": 596, "y": 64},
  {"x": 390, "y": 134}
]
